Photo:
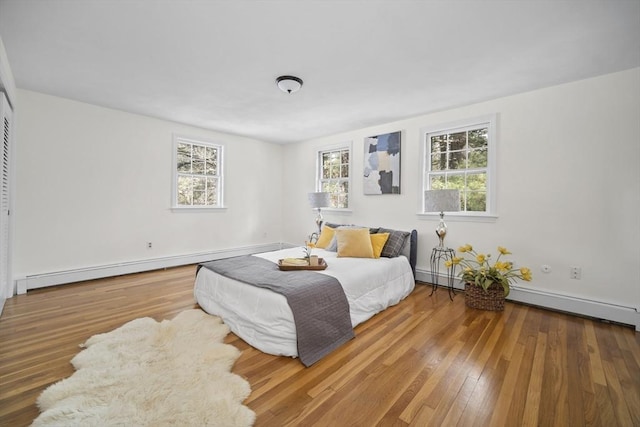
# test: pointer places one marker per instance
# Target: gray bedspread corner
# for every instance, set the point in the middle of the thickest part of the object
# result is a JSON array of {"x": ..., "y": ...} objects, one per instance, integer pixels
[{"x": 318, "y": 303}]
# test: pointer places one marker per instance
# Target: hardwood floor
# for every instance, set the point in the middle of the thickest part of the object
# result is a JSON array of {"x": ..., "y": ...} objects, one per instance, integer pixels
[{"x": 426, "y": 361}]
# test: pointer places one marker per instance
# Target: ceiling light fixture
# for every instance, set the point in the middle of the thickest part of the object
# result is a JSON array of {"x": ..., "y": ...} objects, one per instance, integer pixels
[{"x": 289, "y": 84}]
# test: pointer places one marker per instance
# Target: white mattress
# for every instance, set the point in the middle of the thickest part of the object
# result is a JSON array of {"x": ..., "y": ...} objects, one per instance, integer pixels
[{"x": 263, "y": 318}]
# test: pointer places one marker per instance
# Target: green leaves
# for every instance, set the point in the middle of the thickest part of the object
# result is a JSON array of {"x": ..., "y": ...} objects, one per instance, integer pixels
[{"x": 477, "y": 269}]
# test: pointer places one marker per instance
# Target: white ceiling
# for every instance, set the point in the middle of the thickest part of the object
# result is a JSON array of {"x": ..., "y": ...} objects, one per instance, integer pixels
[{"x": 213, "y": 64}]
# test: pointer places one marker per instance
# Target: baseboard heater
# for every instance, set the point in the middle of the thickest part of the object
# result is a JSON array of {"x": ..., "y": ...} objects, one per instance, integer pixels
[
  {"x": 98, "y": 272},
  {"x": 600, "y": 310},
  {"x": 560, "y": 302}
]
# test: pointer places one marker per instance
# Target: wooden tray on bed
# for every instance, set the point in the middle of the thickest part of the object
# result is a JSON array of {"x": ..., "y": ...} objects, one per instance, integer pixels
[{"x": 322, "y": 264}]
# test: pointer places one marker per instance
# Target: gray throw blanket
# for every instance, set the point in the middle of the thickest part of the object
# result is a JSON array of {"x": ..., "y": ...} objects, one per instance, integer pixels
[{"x": 319, "y": 305}]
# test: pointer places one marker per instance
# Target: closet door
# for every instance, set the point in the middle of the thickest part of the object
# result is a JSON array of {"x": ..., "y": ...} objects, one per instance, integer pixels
[{"x": 6, "y": 285}]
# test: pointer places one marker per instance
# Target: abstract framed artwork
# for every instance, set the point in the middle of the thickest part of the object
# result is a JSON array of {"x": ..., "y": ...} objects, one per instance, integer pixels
[{"x": 382, "y": 164}]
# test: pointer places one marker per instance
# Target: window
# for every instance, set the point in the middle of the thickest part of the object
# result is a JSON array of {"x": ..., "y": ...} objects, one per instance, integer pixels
[
  {"x": 461, "y": 157},
  {"x": 334, "y": 175},
  {"x": 197, "y": 174}
]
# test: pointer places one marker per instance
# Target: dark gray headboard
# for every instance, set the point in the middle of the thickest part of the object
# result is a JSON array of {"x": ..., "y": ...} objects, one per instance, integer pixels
[
  {"x": 413, "y": 245},
  {"x": 413, "y": 251}
]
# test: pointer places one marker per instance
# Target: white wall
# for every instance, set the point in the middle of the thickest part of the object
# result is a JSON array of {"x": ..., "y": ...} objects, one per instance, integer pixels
[
  {"x": 568, "y": 190},
  {"x": 94, "y": 185}
]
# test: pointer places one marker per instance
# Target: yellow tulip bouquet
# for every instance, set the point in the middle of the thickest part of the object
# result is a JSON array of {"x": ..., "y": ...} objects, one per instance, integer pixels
[{"x": 478, "y": 270}]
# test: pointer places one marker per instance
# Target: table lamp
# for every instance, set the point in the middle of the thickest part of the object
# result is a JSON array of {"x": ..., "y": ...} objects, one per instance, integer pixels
[
  {"x": 441, "y": 201},
  {"x": 318, "y": 201}
]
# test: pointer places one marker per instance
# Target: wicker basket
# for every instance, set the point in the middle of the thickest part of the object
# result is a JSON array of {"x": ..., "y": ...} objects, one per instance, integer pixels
[{"x": 491, "y": 299}]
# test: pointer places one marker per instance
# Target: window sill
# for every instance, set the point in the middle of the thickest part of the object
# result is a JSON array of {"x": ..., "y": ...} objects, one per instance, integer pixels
[
  {"x": 198, "y": 208},
  {"x": 467, "y": 217},
  {"x": 337, "y": 211}
]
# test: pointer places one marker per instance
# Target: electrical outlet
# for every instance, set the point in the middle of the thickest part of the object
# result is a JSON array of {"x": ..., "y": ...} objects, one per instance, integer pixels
[
  {"x": 149, "y": 245},
  {"x": 576, "y": 273}
]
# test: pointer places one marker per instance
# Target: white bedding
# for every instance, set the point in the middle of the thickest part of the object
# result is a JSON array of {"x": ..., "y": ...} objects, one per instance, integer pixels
[{"x": 263, "y": 318}]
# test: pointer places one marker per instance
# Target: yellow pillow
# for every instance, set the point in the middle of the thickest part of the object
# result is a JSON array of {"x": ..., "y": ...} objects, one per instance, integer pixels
[
  {"x": 325, "y": 237},
  {"x": 377, "y": 242},
  {"x": 354, "y": 242}
]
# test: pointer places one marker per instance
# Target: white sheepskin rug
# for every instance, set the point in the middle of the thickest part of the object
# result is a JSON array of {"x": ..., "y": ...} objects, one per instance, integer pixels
[{"x": 147, "y": 373}]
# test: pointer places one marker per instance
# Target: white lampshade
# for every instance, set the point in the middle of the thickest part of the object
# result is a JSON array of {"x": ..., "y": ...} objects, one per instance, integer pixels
[
  {"x": 442, "y": 201},
  {"x": 319, "y": 200}
]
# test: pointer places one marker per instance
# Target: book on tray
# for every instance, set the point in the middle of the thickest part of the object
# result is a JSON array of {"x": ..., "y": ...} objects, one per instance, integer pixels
[{"x": 294, "y": 261}]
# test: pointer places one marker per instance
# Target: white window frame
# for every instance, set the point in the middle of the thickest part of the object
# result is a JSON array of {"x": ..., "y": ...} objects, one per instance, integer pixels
[
  {"x": 177, "y": 139},
  {"x": 318, "y": 178},
  {"x": 488, "y": 121}
]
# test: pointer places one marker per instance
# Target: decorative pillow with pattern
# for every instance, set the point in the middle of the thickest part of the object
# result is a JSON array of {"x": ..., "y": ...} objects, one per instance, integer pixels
[{"x": 395, "y": 243}]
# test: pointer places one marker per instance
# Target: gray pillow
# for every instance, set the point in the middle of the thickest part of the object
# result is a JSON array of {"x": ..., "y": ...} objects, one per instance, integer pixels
[
  {"x": 333, "y": 245},
  {"x": 372, "y": 230},
  {"x": 395, "y": 243},
  {"x": 332, "y": 225}
]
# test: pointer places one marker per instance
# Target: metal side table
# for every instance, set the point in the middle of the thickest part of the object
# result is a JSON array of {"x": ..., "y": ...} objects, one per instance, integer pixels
[{"x": 443, "y": 254}]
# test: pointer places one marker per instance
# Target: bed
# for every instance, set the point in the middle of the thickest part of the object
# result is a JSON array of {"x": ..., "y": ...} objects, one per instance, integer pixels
[{"x": 264, "y": 318}]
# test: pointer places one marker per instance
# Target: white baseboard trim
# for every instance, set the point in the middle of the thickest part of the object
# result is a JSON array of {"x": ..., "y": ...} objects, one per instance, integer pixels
[
  {"x": 97, "y": 272},
  {"x": 441, "y": 279},
  {"x": 559, "y": 302}
]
